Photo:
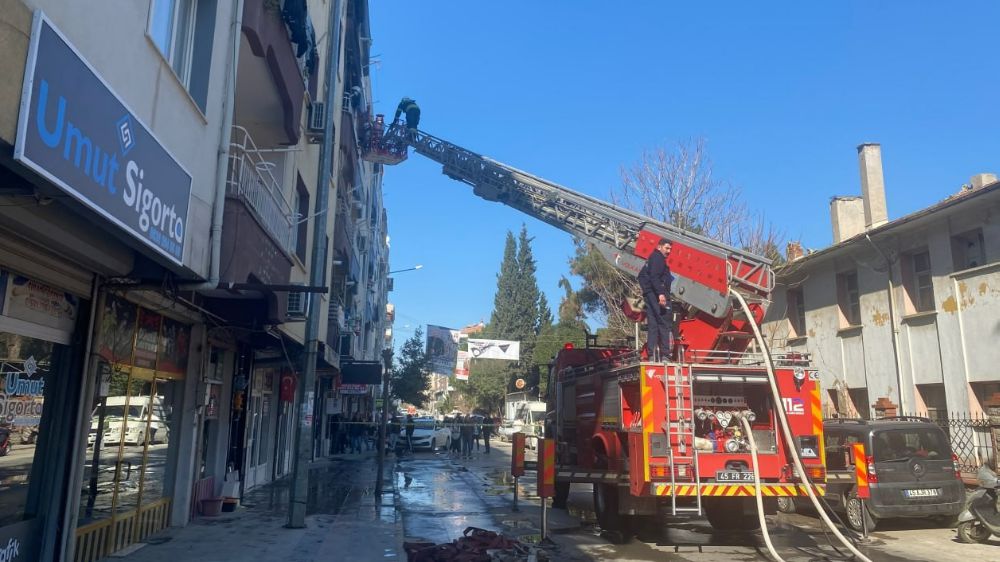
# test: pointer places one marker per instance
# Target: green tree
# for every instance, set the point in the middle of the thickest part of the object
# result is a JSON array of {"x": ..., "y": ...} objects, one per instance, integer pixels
[
  {"x": 519, "y": 311},
  {"x": 411, "y": 377},
  {"x": 544, "y": 314}
]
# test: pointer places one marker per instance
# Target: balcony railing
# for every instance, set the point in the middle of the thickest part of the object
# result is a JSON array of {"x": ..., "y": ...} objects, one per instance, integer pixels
[{"x": 250, "y": 179}]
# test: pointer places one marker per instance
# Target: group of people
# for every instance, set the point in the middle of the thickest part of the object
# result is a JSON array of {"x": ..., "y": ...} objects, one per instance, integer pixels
[
  {"x": 467, "y": 431},
  {"x": 354, "y": 433}
]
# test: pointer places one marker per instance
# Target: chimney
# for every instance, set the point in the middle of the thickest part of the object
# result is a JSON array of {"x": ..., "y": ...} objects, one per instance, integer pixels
[
  {"x": 872, "y": 185},
  {"x": 847, "y": 215},
  {"x": 981, "y": 180},
  {"x": 793, "y": 251}
]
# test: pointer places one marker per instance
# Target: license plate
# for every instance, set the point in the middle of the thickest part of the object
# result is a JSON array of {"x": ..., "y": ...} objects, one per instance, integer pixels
[
  {"x": 733, "y": 476},
  {"x": 922, "y": 493}
]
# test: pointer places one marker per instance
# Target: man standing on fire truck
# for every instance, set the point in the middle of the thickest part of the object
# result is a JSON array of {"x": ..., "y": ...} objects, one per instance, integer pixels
[{"x": 654, "y": 280}]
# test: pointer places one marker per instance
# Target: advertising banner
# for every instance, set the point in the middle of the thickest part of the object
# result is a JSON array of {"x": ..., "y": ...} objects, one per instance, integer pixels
[
  {"x": 77, "y": 133},
  {"x": 462, "y": 366},
  {"x": 38, "y": 303},
  {"x": 495, "y": 349},
  {"x": 442, "y": 349}
]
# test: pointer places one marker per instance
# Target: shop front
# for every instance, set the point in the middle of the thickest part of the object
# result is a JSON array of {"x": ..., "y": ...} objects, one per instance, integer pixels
[
  {"x": 40, "y": 356},
  {"x": 133, "y": 442}
]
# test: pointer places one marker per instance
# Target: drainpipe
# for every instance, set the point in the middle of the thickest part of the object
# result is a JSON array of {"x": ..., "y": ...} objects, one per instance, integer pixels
[
  {"x": 892, "y": 323},
  {"x": 222, "y": 160}
]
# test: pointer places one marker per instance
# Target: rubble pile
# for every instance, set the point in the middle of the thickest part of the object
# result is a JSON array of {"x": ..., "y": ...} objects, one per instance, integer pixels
[{"x": 475, "y": 545}]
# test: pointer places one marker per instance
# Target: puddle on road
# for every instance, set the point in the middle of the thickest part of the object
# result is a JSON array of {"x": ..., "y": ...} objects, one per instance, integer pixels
[{"x": 518, "y": 524}]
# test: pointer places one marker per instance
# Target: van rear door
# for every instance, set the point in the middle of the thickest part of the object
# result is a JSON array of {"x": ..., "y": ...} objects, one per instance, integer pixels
[{"x": 914, "y": 466}]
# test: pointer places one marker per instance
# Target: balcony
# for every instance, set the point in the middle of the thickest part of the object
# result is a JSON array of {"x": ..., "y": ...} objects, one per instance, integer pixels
[
  {"x": 257, "y": 240},
  {"x": 278, "y": 56},
  {"x": 252, "y": 181}
]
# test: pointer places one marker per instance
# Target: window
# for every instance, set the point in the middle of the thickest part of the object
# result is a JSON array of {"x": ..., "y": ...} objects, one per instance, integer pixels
[
  {"x": 917, "y": 281},
  {"x": 171, "y": 25},
  {"x": 300, "y": 229},
  {"x": 184, "y": 31},
  {"x": 849, "y": 298},
  {"x": 968, "y": 249},
  {"x": 796, "y": 312}
]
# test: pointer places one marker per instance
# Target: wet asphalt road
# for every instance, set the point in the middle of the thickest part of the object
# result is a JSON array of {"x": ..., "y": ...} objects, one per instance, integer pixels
[{"x": 440, "y": 496}]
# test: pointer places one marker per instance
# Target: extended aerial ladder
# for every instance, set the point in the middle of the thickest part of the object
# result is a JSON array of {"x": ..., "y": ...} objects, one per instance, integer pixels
[{"x": 704, "y": 269}]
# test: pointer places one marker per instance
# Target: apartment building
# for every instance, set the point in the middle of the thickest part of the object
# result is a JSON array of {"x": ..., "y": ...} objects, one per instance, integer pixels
[
  {"x": 900, "y": 316},
  {"x": 160, "y": 161}
]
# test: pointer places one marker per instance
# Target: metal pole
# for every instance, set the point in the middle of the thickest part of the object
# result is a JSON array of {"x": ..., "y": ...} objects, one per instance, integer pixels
[
  {"x": 864, "y": 520},
  {"x": 387, "y": 362},
  {"x": 303, "y": 441},
  {"x": 545, "y": 518},
  {"x": 515, "y": 495}
]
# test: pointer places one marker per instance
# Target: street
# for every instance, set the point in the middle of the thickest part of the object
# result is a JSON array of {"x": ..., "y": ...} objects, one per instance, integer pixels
[{"x": 440, "y": 496}]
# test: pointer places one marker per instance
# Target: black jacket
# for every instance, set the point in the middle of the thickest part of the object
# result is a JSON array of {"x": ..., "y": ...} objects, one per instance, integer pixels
[{"x": 654, "y": 278}]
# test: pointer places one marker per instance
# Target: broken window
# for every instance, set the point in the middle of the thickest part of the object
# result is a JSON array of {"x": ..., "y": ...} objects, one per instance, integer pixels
[
  {"x": 917, "y": 281},
  {"x": 849, "y": 299},
  {"x": 968, "y": 249},
  {"x": 796, "y": 312}
]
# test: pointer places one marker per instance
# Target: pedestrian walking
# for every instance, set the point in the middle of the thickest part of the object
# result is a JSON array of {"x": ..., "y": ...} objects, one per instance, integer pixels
[
  {"x": 467, "y": 432},
  {"x": 394, "y": 429},
  {"x": 654, "y": 280},
  {"x": 456, "y": 434},
  {"x": 409, "y": 432},
  {"x": 487, "y": 432},
  {"x": 358, "y": 434},
  {"x": 477, "y": 431}
]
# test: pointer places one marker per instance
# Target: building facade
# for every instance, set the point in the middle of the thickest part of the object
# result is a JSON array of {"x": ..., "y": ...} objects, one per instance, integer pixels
[
  {"x": 899, "y": 316},
  {"x": 159, "y": 209}
]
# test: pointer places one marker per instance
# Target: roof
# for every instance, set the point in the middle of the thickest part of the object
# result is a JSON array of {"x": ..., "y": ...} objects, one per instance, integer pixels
[{"x": 957, "y": 199}]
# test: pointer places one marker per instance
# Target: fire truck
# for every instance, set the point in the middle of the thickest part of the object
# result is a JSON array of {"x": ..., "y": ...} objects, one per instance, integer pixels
[{"x": 660, "y": 438}]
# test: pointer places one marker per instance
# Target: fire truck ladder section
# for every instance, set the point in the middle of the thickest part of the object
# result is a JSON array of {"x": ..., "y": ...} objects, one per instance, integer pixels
[
  {"x": 679, "y": 389},
  {"x": 706, "y": 271}
]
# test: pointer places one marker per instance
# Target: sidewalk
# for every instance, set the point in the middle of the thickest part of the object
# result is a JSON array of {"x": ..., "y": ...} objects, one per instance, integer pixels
[{"x": 341, "y": 508}]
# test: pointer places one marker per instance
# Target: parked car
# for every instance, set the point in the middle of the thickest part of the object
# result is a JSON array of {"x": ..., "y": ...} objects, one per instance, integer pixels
[
  {"x": 428, "y": 433},
  {"x": 140, "y": 409},
  {"x": 912, "y": 471}
]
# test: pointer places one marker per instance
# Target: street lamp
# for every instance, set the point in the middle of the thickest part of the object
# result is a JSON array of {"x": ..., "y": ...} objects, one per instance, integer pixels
[{"x": 418, "y": 266}]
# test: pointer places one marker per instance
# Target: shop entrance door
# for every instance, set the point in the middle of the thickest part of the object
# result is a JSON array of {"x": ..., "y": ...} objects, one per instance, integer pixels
[
  {"x": 126, "y": 492},
  {"x": 259, "y": 443}
]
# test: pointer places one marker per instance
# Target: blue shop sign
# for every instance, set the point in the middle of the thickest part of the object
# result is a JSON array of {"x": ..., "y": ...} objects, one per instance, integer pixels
[{"x": 77, "y": 133}]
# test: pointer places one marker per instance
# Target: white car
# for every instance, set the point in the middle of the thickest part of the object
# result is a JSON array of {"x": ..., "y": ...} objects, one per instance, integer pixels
[{"x": 428, "y": 433}]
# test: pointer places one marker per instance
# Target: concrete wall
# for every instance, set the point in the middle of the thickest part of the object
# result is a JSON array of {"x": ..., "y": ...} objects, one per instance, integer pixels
[{"x": 949, "y": 347}]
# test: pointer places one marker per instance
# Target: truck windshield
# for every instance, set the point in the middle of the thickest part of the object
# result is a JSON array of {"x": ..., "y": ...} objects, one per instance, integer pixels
[{"x": 896, "y": 445}]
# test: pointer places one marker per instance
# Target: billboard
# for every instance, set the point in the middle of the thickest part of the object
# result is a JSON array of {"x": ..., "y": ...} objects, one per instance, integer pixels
[
  {"x": 75, "y": 131},
  {"x": 442, "y": 349},
  {"x": 495, "y": 349},
  {"x": 462, "y": 366}
]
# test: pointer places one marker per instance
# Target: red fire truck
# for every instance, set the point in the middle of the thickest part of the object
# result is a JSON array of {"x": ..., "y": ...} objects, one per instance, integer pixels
[{"x": 660, "y": 438}]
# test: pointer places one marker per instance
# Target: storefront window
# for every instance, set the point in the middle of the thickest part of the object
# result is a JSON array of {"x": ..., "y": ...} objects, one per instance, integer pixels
[
  {"x": 25, "y": 379},
  {"x": 143, "y": 358}
]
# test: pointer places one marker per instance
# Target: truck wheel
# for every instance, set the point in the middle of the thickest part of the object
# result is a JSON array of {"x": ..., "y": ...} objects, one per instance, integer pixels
[
  {"x": 561, "y": 496},
  {"x": 606, "y": 509},
  {"x": 973, "y": 531},
  {"x": 730, "y": 514},
  {"x": 786, "y": 504}
]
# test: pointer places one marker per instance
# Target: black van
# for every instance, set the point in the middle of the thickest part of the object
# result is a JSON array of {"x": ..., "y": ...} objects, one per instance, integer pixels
[{"x": 912, "y": 471}]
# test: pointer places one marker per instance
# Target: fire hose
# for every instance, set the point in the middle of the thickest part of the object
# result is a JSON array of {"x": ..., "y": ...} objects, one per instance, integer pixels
[{"x": 790, "y": 441}]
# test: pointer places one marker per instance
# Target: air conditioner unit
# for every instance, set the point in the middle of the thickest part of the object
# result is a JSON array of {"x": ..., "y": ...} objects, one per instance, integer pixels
[
  {"x": 298, "y": 305},
  {"x": 316, "y": 125},
  {"x": 317, "y": 117}
]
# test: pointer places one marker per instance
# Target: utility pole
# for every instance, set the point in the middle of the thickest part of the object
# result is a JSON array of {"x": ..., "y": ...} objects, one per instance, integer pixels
[
  {"x": 317, "y": 272},
  {"x": 386, "y": 370}
]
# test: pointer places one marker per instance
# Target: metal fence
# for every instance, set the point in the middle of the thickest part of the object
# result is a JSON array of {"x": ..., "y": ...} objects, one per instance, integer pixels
[{"x": 971, "y": 440}]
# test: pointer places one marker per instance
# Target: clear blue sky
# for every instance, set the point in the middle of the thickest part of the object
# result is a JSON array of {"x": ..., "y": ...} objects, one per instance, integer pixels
[{"x": 572, "y": 91}]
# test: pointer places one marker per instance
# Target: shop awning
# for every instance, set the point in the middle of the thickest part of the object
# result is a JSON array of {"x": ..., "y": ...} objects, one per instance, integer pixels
[{"x": 361, "y": 372}]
